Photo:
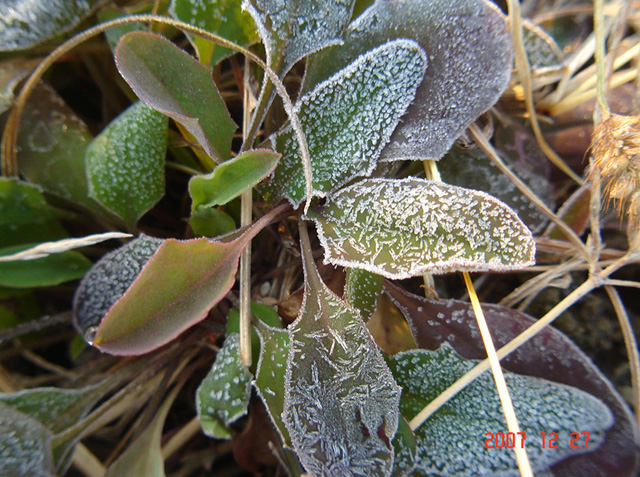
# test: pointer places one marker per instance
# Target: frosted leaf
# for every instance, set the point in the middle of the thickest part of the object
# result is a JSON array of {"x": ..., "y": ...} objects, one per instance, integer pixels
[
  {"x": 542, "y": 50},
  {"x": 470, "y": 57},
  {"x": 404, "y": 228},
  {"x": 176, "y": 84},
  {"x": 348, "y": 119},
  {"x": 25, "y": 23},
  {"x": 108, "y": 279},
  {"x": 452, "y": 441},
  {"x": 223, "y": 396},
  {"x": 362, "y": 290},
  {"x": 270, "y": 376},
  {"x": 293, "y": 29},
  {"x": 25, "y": 445},
  {"x": 405, "y": 446},
  {"x": 222, "y": 17},
  {"x": 549, "y": 355},
  {"x": 125, "y": 163},
  {"x": 341, "y": 406},
  {"x": 472, "y": 168}
]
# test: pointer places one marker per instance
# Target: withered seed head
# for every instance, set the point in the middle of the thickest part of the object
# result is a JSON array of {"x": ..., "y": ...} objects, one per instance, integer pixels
[{"x": 616, "y": 154}]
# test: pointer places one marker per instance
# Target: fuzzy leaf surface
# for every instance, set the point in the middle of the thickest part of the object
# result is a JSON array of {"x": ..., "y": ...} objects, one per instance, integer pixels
[
  {"x": 52, "y": 142},
  {"x": 470, "y": 58},
  {"x": 452, "y": 441},
  {"x": 176, "y": 84},
  {"x": 25, "y": 23},
  {"x": 403, "y": 228},
  {"x": 222, "y": 17},
  {"x": 348, "y": 119},
  {"x": 125, "y": 163},
  {"x": 109, "y": 279},
  {"x": 25, "y": 445},
  {"x": 291, "y": 30},
  {"x": 231, "y": 178},
  {"x": 271, "y": 373},
  {"x": 153, "y": 310},
  {"x": 549, "y": 355},
  {"x": 341, "y": 406},
  {"x": 223, "y": 395}
]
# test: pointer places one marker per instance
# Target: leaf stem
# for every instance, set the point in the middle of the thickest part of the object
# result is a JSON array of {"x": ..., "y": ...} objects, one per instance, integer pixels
[{"x": 522, "y": 457}]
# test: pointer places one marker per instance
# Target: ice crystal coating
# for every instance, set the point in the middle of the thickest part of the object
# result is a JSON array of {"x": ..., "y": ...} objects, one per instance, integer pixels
[
  {"x": 470, "y": 56},
  {"x": 403, "y": 228},
  {"x": 270, "y": 375},
  {"x": 25, "y": 445},
  {"x": 108, "y": 279},
  {"x": 125, "y": 163},
  {"x": 223, "y": 396},
  {"x": 291, "y": 29},
  {"x": 348, "y": 119},
  {"x": 25, "y": 23},
  {"x": 341, "y": 405},
  {"x": 452, "y": 441}
]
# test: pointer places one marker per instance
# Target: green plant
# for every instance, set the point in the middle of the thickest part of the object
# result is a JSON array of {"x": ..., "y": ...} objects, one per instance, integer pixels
[{"x": 368, "y": 378}]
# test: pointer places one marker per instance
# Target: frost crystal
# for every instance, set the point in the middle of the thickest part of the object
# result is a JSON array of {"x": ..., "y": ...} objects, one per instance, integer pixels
[
  {"x": 341, "y": 400},
  {"x": 452, "y": 441},
  {"x": 404, "y": 228},
  {"x": 291, "y": 29},
  {"x": 348, "y": 119},
  {"x": 109, "y": 279}
]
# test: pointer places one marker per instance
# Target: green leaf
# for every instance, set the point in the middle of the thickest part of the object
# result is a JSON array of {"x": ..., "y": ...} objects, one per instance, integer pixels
[
  {"x": 25, "y": 23},
  {"x": 222, "y": 17},
  {"x": 125, "y": 163},
  {"x": 25, "y": 217},
  {"x": 362, "y": 290},
  {"x": 405, "y": 446},
  {"x": 210, "y": 222},
  {"x": 47, "y": 271},
  {"x": 408, "y": 227},
  {"x": 341, "y": 406},
  {"x": 291, "y": 30},
  {"x": 470, "y": 57},
  {"x": 348, "y": 119},
  {"x": 12, "y": 71},
  {"x": 114, "y": 34},
  {"x": 270, "y": 376},
  {"x": 452, "y": 441},
  {"x": 144, "y": 456},
  {"x": 176, "y": 84},
  {"x": 25, "y": 445},
  {"x": 142, "y": 309},
  {"x": 52, "y": 142},
  {"x": 231, "y": 178},
  {"x": 223, "y": 395}
]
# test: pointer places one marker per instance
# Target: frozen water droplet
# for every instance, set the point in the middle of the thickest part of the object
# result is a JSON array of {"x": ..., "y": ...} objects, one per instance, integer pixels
[{"x": 90, "y": 335}]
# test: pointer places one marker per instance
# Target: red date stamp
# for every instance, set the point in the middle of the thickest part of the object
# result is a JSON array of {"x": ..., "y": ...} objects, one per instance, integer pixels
[{"x": 511, "y": 440}]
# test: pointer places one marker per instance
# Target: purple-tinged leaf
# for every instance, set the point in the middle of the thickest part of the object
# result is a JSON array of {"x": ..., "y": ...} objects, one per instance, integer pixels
[
  {"x": 549, "y": 355},
  {"x": 151, "y": 296},
  {"x": 176, "y": 84},
  {"x": 470, "y": 57},
  {"x": 403, "y": 228}
]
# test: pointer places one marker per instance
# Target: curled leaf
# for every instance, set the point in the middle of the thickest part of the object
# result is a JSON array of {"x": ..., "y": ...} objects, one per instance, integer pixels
[{"x": 404, "y": 228}]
